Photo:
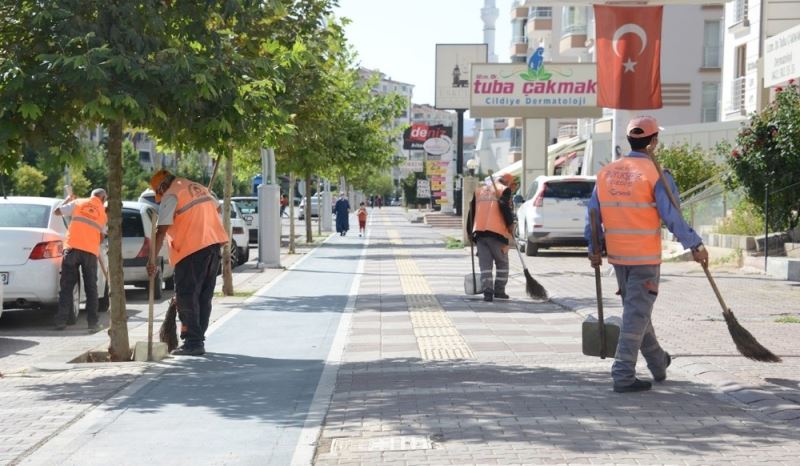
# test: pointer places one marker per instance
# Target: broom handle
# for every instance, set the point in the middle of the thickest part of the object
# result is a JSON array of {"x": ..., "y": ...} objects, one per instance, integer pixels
[
  {"x": 675, "y": 204},
  {"x": 472, "y": 256},
  {"x": 598, "y": 284},
  {"x": 151, "y": 294}
]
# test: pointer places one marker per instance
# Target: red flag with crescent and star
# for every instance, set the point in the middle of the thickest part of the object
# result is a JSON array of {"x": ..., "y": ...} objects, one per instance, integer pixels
[{"x": 628, "y": 57}]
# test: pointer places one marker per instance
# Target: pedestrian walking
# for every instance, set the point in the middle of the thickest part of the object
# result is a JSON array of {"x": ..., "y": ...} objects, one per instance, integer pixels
[
  {"x": 342, "y": 210},
  {"x": 631, "y": 205},
  {"x": 81, "y": 252},
  {"x": 284, "y": 203},
  {"x": 362, "y": 219},
  {"x": 490, "y": 220},
  {"x": 379, "y": 201},
  {"x": 188, "y": 219}
]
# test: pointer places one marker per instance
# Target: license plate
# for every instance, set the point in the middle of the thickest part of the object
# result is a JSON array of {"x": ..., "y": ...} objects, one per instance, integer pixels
[{"x": 4, "y": 277}]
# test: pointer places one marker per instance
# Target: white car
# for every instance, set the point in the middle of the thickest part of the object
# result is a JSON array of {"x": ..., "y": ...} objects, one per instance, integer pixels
[
  {"x": 315, "y": 201},
  {"x": 248, "y": 206},
  {"x": 554, "y": 212},
  {"x": 136, "y": 242},
  {"x": 240, "y": 236},
  {"x": 32, "y": 244}
]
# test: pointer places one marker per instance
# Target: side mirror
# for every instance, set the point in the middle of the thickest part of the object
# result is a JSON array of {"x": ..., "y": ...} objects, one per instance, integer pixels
[{"x": 248, "y": 219}]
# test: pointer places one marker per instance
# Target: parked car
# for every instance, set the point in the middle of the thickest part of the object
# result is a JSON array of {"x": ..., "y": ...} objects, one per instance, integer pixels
[
  {"x": 248, "y": 205},
  {"x": 553, "y": 212},
  {"x": 315, "y": 201},
  {"x": 240, "y": 236},
  {"x": 32, "y": 244},
  {"x": 136, "y": 243}
]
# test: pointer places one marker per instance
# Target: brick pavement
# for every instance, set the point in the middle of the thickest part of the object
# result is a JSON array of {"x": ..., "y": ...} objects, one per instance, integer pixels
[
  {"x": 527, "y": 395},
  {"x": 40, "y": 394}
]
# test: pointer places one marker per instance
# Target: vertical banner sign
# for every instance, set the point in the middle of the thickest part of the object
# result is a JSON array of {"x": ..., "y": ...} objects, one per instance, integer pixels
[
  {"x": 628, "y": 57},
  {"x": 453, "y": 63},
  {"x": 423, "y": 189}
]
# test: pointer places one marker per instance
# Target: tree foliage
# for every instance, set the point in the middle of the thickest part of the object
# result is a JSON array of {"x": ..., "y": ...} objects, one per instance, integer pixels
[
  {"x": 767, "y": 154},
  {"x": 28, "y": 181},
  {"x": 689, "y": 165}
]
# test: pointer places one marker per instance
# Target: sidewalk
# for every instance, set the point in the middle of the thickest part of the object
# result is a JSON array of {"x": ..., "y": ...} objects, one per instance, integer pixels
[
  {"x": 42, "y": 394},
  {"x": 431, "y": 376}
]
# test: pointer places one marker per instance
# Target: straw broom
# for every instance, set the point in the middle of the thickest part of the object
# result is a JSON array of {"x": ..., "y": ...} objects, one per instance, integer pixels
[{"x": 745, "y": 342}]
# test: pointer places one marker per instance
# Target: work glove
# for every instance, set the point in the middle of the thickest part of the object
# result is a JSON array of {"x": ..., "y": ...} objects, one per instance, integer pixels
[{"x": 700, "y": 255}]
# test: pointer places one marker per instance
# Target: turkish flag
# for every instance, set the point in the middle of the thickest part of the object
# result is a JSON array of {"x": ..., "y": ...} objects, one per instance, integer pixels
[{"x": 628, "y": 57}]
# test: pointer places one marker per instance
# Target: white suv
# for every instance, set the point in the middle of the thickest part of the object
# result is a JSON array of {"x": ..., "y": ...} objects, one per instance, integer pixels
[{"x": 554, "y": 212}]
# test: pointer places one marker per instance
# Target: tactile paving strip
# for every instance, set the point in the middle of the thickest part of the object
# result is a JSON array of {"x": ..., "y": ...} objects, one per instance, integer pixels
[{"x": 437, "y": 337}]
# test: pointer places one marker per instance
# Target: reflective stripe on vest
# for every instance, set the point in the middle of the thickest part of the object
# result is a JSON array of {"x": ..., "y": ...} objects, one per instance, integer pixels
[
  {"x": 488, "y": 216},
  {"x": 626, "y": 194},
  {"x": 194, "y": 203},
  {"x": 85, "y": 230},
  {"x": 196, "y": 224}
]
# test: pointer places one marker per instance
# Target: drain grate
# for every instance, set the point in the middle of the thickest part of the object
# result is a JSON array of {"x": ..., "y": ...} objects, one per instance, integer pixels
[{"x": 393, "y": 443}]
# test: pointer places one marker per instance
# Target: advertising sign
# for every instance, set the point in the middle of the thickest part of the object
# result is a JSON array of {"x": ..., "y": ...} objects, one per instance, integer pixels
[
  {"x": 554, "y": 90},
  {"x": 416, "y": 135},
  {"x": 413, "y": 166},
  {"x": 423, "y": 189},
  {"x": 782, "y": 57},
  {"x": 453, "y": 71}
]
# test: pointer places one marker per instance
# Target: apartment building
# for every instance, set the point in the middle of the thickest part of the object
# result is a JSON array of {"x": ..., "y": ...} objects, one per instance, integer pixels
[{"x": 748, "y": 23}]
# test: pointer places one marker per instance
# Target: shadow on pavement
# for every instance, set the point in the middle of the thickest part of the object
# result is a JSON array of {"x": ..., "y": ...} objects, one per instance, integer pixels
[
  {"x": 468, "y": 402},
  {"x": 9, "y": 346}
]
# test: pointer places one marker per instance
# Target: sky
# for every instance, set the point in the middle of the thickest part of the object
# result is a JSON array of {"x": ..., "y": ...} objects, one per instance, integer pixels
[{"x": 399, "y": 37}]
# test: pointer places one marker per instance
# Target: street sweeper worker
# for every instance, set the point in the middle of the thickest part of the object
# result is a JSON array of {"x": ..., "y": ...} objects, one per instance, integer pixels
[
  {"x": 81, "y": 251},
  {"x": 188, "y": 219},
  {"x": 631, "y": 203},
  {"x": 491, "y": 219}
]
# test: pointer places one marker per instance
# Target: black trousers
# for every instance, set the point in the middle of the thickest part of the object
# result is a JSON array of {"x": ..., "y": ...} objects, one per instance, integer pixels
[
  {"x": 76, "y": 262},
  {"x": 195, "y": 278}
]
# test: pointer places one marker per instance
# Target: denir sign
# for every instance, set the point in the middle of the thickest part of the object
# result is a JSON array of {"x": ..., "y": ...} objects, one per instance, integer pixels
[
  {"x": 415, "y": 136},
  {"x": 553, "y": 90}
]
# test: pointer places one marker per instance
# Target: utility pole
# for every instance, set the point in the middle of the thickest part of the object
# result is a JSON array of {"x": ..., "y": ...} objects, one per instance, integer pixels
[{"x": 458, "y": 194}]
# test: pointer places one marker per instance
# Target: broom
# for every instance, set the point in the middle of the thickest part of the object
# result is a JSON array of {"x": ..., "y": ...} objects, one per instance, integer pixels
[
  {"x": 169, "y": 330},
  {"x": 745, "y": 342},
  {"x": 533, "y": 288}
]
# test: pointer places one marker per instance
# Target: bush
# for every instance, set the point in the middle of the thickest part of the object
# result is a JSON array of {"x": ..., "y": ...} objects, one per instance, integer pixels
[
  {"x": 28, "y": 181},
  {"x": 689, "y": 166},
  {"x": 746, "y": 219},
  {"x": 767, "y": 153}
]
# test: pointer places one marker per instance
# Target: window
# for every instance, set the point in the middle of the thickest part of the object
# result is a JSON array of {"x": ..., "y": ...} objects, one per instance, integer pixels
[
  {"x": 574, "y": 20},
  {"x": 710, "y": 106},
  {"x": 24, "y": 216},
  {"x": 569, "y": 189},
  {"x": 516, "y": 139},
  {"x": 740, "y": 8},
  {"x": 739, "y": 81},
  {"x": 712, "y": 44},
  {"x": 132, "y": 226}
]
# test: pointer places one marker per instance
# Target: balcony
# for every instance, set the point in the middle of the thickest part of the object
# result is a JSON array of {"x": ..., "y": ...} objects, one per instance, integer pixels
[
  {"x": 740, "y": 10},
  {"x": 519, "y": 46},
  {"x": 567, "y": 131},
  {"x": 738, "y": 95},
  {"x": 540, "y": 19},
  {"x": 541, "y": 12},
  {"x": 518, "y": 12}
]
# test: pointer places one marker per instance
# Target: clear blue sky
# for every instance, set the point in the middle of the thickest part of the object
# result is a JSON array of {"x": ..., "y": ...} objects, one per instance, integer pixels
[{"x": 399, "y": 37}]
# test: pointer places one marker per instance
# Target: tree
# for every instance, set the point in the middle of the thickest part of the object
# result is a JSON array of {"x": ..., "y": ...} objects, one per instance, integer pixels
[
  {"x": 689, "y": 166},
  {"x": 766, "y": 157},
  {"x": 29, "y": 181}
]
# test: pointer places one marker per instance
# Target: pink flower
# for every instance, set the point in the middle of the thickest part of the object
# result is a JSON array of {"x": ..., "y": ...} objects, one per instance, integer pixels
[
  {"x": 791, "y": 81},
  {"x": 778, "y": 89},
  {"x": 735, "y": 153}
]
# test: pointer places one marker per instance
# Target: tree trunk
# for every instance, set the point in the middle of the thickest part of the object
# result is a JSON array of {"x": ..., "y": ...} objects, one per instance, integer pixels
[
  {"x": 309, "y": 237},
  {"x": 119, "y": 347},
  {"x": 227, "y": 271},
  {"x": 291, "y": 213}
]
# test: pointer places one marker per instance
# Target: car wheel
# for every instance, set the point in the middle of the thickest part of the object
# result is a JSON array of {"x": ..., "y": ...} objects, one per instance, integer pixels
[
  {"x": 234, "y": 254},
  {"x": 531, "y": 249},
  {"x": 158, "y": 284},
  {"x": 72, "y": 318},
  {"x": 244, "y": 255},
  {"x": 103, "y": 302}
]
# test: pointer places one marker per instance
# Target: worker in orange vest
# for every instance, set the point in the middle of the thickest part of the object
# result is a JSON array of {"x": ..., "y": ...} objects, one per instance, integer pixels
[
  {"x": 490, "y": 222},
  {"x": 81, "y": 250},
  {"x": 189, "y": 221},
  {"x": 631, "y": 203}
]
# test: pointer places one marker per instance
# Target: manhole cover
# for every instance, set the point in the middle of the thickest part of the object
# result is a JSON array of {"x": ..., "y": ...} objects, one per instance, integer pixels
[{"x": 394, "y": 443}]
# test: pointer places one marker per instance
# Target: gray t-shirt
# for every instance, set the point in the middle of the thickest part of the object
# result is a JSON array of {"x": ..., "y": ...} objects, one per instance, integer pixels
[{"x": 166, "y": 210}]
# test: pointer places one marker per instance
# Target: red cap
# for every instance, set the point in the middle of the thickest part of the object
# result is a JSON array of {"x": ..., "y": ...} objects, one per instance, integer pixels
[
  {"x": 647, "y": 124},
  {"x": 507, "y": 179}
]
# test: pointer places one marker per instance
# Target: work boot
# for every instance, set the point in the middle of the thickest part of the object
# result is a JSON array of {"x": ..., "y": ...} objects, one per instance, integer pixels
[
  {"x": 663, "y": 377},
  {"x": 488, "y": 296},
  {"x": 189, "y": 351},
  {"x": 95, "y": 328},
  {"x": 501, "y": 295},
  {"x": 636, "y": 386}
]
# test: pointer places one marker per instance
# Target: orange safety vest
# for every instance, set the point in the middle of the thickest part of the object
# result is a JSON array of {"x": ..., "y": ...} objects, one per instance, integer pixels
[
  {"x": 85, "y": 231},
  {"x": 197, "y": 224},
  {"x": 487, "y": 211},
  {"x": 632, "y": 226}
]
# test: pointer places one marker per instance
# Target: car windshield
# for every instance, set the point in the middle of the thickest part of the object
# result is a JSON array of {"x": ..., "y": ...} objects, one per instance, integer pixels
[
  {"x": 248, "y": 206},
  {"x": 569, "y": 189},
  {"x": 24, "y": 215},
  {"x": 132, "y": 224}
]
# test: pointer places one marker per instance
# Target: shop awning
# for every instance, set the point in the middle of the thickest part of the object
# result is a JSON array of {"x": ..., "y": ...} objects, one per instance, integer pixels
[{"x": 564, "y": 158}]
